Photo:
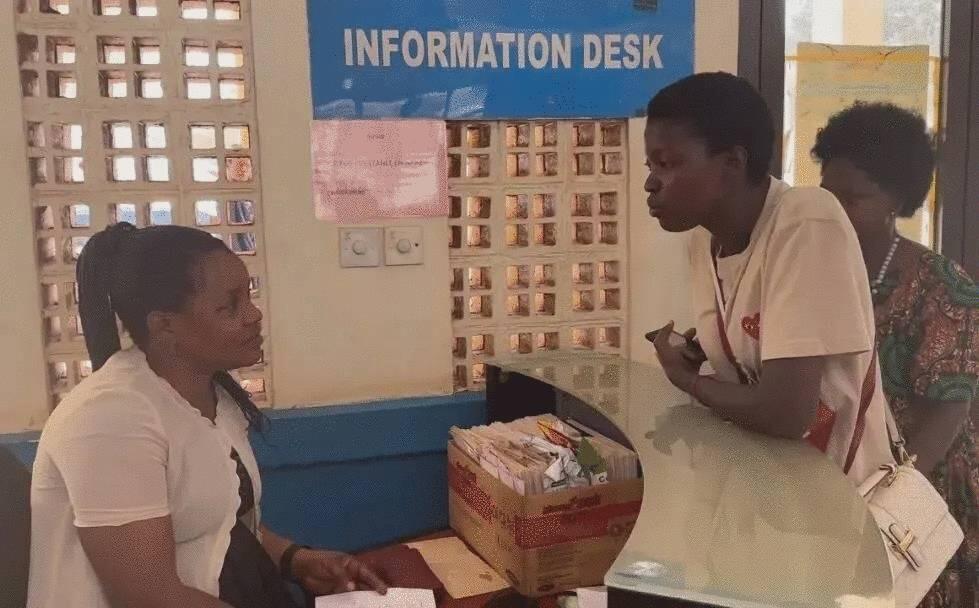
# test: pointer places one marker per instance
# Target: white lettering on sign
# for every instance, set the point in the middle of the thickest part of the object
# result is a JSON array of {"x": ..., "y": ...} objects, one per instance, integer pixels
[
  {"x": 650, "y": 50},
  {"x": 413, "y": 57},
  {"x": 487, "y": 52},
  {"x": 631, "y": 47},
  {"x": 506, "y": 39},
  {"x": 612, "y": 50},
  {"x": 367, "y": 48},
  {"x": 388, "y": 37},
  {"x": 437, "y": 42},
  {"x": 561, "y": 51},
  {"x": 593, "y": 51},
  {"x": 462, "y": 49},
  {"x": 500, "y": 50},
  {"x": 538, "y": 51}
]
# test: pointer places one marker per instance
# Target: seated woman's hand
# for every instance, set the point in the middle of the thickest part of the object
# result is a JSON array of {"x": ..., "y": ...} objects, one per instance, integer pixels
[{"x": 329, "y": 572}]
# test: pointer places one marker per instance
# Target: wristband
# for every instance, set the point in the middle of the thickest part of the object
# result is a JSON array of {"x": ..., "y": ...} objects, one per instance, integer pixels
[{"x": 285, "y": 562}]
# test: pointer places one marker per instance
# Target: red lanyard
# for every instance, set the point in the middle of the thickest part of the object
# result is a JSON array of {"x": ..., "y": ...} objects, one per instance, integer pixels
[{"x": 721, "y": 310}]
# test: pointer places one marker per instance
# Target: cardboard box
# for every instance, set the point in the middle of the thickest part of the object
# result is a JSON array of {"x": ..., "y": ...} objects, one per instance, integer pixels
[{"x": 541, "y": 544}]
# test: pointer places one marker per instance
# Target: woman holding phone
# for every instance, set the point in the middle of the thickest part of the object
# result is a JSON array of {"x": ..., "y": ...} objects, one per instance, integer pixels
[{"x": 782, "y": 306}]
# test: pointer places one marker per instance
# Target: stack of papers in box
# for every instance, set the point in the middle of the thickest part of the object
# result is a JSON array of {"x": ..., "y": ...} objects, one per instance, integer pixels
[{"x": 542, "y": 454}]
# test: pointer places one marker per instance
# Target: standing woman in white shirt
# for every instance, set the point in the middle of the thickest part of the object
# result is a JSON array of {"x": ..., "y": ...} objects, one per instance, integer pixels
[
  {"x": 145, "y": 491},
  {"x": 780, "y": 296}
]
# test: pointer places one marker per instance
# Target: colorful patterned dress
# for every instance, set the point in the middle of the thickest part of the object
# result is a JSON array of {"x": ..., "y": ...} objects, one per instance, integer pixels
[{"x": 928, "y": 332}]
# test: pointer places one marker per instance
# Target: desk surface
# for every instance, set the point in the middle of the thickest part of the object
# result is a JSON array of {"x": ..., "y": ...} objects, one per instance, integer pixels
[
  {"x": 729, "y": 517},
  {"x": 507, "y": 598}
]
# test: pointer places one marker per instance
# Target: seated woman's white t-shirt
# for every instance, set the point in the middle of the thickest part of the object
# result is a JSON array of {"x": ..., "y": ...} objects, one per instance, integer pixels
[
  {"x": 800, "y": 289},
  {"x": 124, "y": 446}
]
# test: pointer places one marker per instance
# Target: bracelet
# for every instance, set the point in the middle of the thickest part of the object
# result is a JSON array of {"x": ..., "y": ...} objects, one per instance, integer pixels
[{"x": 285, "y": 562}]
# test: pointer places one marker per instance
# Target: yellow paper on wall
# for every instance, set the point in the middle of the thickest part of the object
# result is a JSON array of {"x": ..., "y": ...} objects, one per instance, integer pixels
[{"x": 832, "y": 77}]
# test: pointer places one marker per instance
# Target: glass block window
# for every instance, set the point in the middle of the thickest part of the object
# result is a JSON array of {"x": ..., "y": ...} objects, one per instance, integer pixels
[
  {"x": 139, "y": 111},
  {"x": 537, "y": 242}
]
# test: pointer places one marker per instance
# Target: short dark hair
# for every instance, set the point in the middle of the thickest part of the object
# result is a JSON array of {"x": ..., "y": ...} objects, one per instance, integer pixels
[
  {"x": 723, "y": 109},
  {"x": 888, "y": 143},
  {"x": 129, "y": 272}
]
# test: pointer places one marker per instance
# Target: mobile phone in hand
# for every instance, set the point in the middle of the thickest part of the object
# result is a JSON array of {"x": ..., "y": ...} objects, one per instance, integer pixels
[{"x": 677, "y": 340}]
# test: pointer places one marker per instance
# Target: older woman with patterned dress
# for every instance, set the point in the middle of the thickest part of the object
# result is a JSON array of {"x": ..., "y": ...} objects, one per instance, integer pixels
[{"x": 878, "y": 161}]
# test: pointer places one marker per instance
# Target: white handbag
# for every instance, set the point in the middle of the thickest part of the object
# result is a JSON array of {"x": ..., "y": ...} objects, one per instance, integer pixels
[{"x": 919, "y": 532}]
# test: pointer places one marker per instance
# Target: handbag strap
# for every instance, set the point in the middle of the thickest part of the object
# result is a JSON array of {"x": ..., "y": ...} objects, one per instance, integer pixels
[
  {"x": 894, "y": 436},
  {"x": 898, "y": 445}
]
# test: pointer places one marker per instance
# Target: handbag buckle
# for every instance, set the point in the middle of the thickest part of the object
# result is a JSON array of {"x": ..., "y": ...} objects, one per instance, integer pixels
[
  {"x": 904, "y": 457},
  {"x": 901, "y": 544},
  {"x": 891, "y": 474}
]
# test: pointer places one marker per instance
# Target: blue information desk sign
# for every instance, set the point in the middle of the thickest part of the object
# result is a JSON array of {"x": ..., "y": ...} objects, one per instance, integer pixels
[{"x": 495, "y": 59}]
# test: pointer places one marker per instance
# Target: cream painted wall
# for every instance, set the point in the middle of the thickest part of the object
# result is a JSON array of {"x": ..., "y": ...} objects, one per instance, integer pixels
[
  {"x": 23, "y": 394},
  {"x": 337, "y": 335}
]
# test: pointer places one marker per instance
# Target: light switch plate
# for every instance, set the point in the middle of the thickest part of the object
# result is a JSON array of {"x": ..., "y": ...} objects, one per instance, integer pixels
[
  {"x": 403, "y": 246},
  {"x": 360, "y": 247}
]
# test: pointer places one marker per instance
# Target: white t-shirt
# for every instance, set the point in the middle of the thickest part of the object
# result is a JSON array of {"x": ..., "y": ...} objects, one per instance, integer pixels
[
  {"x": 124, "y": 446},
  {"x": 800, "y": 290}
]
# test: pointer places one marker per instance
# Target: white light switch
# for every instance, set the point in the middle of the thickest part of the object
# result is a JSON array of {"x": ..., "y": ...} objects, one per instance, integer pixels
[
  {"x": 403, "y": 246},
  {"x": 360, "y": 247}
]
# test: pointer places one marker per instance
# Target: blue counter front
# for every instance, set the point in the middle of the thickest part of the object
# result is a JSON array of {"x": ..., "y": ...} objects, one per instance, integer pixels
[{"x": 347, "y": 477}]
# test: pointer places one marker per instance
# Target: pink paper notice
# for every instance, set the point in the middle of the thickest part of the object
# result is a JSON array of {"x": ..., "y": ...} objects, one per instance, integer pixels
[{"x": 369, "y": 169}]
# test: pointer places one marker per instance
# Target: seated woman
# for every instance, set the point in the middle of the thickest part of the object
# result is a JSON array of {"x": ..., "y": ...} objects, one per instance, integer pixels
[
  {"x": 145, "y": 490},
  {"x": 878, "y": 161},
  {"x": 781, "y": 303}
]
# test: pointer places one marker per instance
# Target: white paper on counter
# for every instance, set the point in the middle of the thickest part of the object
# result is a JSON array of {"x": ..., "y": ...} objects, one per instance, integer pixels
[{"x": 395, "y": 598}]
